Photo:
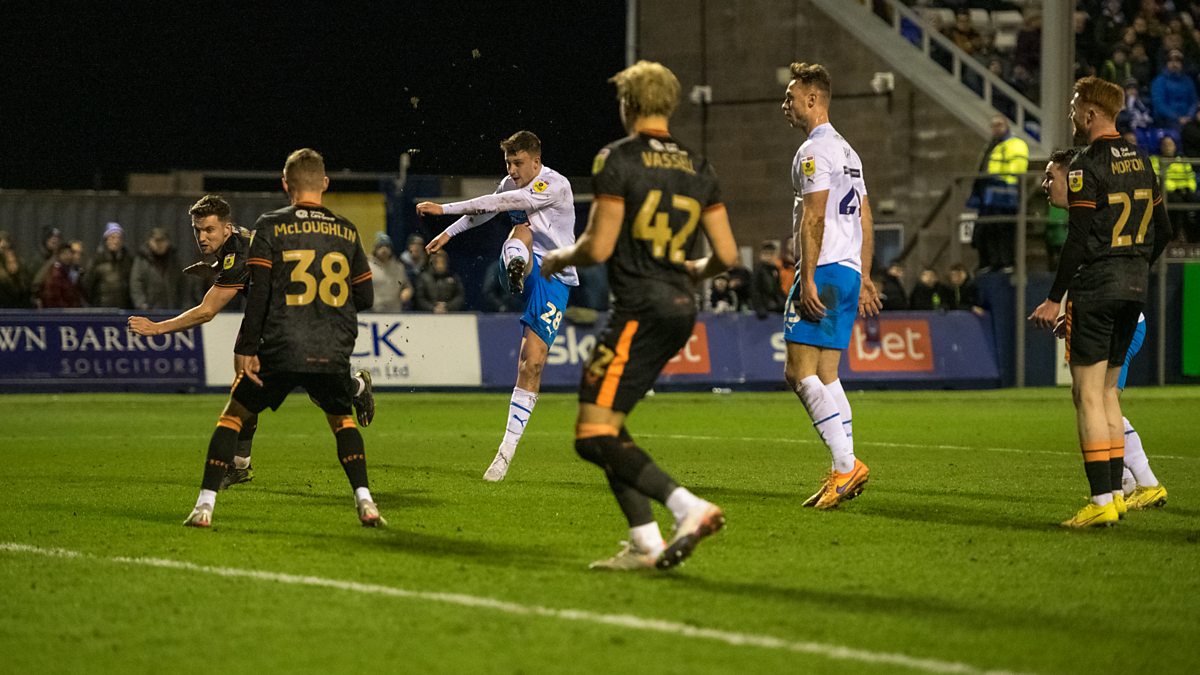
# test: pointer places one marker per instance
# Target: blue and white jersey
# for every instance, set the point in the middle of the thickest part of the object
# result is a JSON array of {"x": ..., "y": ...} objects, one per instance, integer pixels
[
  {"x": 827, "y": 162},
  {"x": 548, "y": 203}
]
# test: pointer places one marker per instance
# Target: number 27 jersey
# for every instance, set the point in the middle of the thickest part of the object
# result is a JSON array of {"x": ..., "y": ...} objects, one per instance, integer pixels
[{"x": 665, "y": 189}]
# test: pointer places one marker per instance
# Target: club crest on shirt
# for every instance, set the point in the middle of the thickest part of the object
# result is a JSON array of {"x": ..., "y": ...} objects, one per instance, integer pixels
[
  {"x": 808, "y": 165},
  {"x": 540, "y": 186},
  {"x": 1075, "y": 180},
  {"x": 229, "y": 260},
  {"x": 598, "y": 163}
]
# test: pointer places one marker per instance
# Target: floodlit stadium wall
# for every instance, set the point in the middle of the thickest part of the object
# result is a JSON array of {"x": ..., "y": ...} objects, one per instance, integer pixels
[{"x": 88, "y": 351}]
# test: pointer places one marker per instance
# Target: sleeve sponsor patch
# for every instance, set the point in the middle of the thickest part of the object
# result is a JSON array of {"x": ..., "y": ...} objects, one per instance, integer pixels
[
  {"x": 598, "y": 163},
  {"x": 229, "y": 260},
  {"x": 540, "y": 186},
  {"x": 808, "y": 165},
  {"x": 1075, "y": 180}
]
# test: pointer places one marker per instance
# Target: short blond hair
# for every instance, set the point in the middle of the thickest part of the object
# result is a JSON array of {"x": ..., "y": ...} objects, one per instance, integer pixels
[
  {"x": 1105, "y": 95},
  {"x": 647, "y": 88},
  {"x": 305, "y": 170}
]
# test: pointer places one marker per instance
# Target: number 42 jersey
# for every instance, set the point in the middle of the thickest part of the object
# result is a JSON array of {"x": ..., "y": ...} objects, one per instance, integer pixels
[
  {"x": 665, "y": 188},
  {"x": 317, "y": 265}
]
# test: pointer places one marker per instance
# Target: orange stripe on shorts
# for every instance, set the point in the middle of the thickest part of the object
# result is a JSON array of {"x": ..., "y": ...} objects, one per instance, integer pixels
[{"x": 612, "y": 377}]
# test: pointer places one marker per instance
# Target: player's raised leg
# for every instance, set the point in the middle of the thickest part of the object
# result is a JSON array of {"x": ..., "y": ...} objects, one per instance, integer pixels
[{"x": 516, "y": 258}]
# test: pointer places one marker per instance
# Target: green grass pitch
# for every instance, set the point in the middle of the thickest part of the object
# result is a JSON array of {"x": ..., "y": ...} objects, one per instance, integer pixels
[{"x": 950, "y": 561}]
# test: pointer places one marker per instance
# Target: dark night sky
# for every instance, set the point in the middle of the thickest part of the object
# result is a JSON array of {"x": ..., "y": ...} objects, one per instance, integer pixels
[{"x": 91, "y": 92}]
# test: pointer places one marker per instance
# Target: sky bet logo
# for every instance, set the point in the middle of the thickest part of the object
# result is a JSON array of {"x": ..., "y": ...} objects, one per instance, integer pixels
[
  {"x": 379, "y": 338},
  {"x": 904, "y": 345}
]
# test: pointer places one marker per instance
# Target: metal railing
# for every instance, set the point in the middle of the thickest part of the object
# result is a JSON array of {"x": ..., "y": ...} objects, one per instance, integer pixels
[{"x": 1024, "y": 110}]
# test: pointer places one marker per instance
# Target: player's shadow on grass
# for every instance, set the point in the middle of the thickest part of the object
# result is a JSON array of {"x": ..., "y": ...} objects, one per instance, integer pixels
[
  {"x": 1045, "y": 520},
  {"x": 817, "y": 601},
  {"x": 402, "y": 538},
  {"x": 387, "y": 500}
]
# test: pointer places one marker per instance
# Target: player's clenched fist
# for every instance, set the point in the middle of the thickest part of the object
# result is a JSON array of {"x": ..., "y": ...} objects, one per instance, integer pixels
[{"x": 143, "y": 326}]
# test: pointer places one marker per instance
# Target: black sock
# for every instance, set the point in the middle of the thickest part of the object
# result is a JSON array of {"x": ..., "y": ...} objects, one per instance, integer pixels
[
  {"x": 1116, "y": 472},
  {"x": 634, "y": 467},
  {"x": 352, "y": 456},
  {"x": 634, "y": 504},
  {"x": 1099, "y": 477},
  {"x": 246, "y": 436},
  {"x": 221, "y": 447}
]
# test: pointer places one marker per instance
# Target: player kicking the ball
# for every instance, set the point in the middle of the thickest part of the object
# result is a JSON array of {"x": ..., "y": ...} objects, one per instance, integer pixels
[
  {"x": 832, "y": 221},
  {"x": 542, "y": 206}
]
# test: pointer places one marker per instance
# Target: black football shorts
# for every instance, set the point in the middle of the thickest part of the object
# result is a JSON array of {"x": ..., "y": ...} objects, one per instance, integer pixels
[
  {"x": 1100, "y": 330},
  {"x": 330, "y": 391},
  {"x": 629, "y": 356}
]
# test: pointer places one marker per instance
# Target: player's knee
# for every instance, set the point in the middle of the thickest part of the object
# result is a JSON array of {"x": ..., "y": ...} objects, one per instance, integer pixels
[{"x": 591, "y": 449}]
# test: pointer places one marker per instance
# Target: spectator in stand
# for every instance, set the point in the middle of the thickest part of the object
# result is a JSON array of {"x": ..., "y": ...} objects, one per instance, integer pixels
[
  {"x": 415, "y": 260},
  {"x": 440, "y": 290},
  {"x": 106, "y": 281},
  {"x": 1000, "y": 101},
  {"x": 1087, "y": 48},
  {"x": 156, "y": 280},
  {"x": 893, "y": 296},
  {"x": 1004, "y": 160},
  {"x": 1187, "y": 41},
  {"x": 1150, "y": 39},
  {"x": 500, "y": 299},
  {"x": 15, "y": 277},
  {"x": 722, "y": 298},
  {"x": 1190, "y": 136},
  {"x": 766, "y": 294},
  {"x": 739, "y": 283},
  {"x": 58, "y": 289},
  {"x": 1178, "y": 182},
  {"x": 1111, "y": 25},
  {"x": 1142, "y": 67},
  {"x": 1136, "y": 118},
  {"x": 1173, "y": 42},
  {"x": 392, "y": 288},
  {"x": 963, "y": 33},
  {"x": 52, "y": 240},
  {"x": 1173, "y": 94},
  {"x": 787, "y": 265},
  {"x": 927, "y": 294},
  {"x": 1117, "y": 69},
  {"x": 1027, "y": 55},
  {"x": 959, "y": 293}
]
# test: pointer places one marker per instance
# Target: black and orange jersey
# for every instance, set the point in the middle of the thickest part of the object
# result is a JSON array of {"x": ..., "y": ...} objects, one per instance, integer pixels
[
  {"x": 231, "y": 260},
  {"x": 1113, "y": 196},
  {"x": 665, "y": 187},
  {"x": 309, "y": 277}
]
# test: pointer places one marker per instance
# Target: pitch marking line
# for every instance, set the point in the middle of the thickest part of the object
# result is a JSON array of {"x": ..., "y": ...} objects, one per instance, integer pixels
[
  {"x": 619, "y": 620},
  {"x": 878, "y": 444}
]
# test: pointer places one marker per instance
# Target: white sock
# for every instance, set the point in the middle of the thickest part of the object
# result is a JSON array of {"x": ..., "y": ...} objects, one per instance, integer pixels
[
  {"x": 207, "y": 498},
  {"x": 241, "y": 462},
  {"x": 520, "y": 408},
  {"x": 680, "y": 501},
  {"x": 647, "y": 537},
  {"x": 514, "y": 248},
  {"x": 827, "y": 421},
  {"x": 1103, "y": 499},
  {"x": 1128, "y": 482},
  {"x": 361, "y": 494},
  {"x": 362, "y": 385},
  {"x": 843, "y": 405},
  {"x": 1135, "y": 457}
]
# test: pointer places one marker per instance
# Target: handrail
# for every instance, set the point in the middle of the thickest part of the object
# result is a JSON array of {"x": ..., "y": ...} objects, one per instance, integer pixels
[{"x": 1024, "y": 107}]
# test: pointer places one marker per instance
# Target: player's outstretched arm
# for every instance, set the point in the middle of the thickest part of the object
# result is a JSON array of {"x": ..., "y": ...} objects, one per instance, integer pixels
[
  {"x": 214, "y": 301},
  {"x": 869, "y": 303},
  {"x": 597, "y": 242},
  {"x": 715, "y": 222},
  {"x": 812, "y": 232}
]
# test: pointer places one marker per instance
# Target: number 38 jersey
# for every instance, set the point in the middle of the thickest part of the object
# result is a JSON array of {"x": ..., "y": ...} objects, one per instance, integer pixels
[
  {"x": 315, "y": 258},
  {"x": 826, "y": 162},
  {"x": 1112, "y": 193},
  {"x": 665, "y": 188}
]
